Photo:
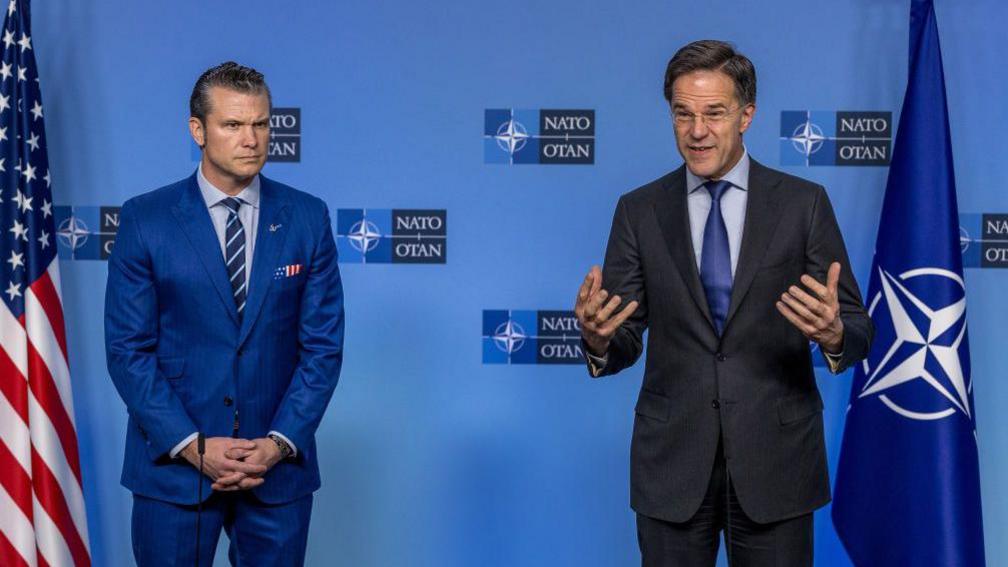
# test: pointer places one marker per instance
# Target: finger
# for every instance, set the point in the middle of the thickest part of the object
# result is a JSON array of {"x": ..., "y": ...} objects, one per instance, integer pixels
[
  {"x": 811, "y": 303},
  {"x": 614, "y": 323},
  {"x": 225, "y": 487},
  {"x": 595, "y": 303},
  {"x": 794, "y": 319},
  {"x": 251, "y": 482},
  {"x": 833, "y": 278},
  {"x": 815, "y": 287},
  {"x": 238, "y": 454},
  {"x": 240, "y": 444},
  {"x": 606, "y": 311},
  {"x": 800, "y": 309},
  {"x": 243, "y": 467},
  {"x": 596, "y": 276},
  {"x": 230, "y": 478},
  {"x": 585, "y": 290}
]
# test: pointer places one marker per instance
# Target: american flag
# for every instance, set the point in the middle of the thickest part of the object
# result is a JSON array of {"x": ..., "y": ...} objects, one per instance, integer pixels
[
  {"x": 42, "y": 519},
  {"x": 290, "y": 270}
]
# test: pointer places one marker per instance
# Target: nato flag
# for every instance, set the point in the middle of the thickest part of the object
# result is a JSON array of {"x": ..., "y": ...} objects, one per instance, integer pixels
[{"x": 908, "y": 485}]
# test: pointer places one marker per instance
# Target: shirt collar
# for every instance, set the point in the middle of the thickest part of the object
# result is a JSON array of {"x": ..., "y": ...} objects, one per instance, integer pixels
[
  {"x": 213, "y": 196},
  {"x": 738, "y": 176}
]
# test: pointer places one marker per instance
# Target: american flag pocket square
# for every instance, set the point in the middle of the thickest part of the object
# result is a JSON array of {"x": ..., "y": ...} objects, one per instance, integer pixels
[{"x": 288, "y": 271}]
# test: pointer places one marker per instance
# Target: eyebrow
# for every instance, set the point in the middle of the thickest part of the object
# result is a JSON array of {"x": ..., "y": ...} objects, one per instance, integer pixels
[{"x": 713, "y": 106}]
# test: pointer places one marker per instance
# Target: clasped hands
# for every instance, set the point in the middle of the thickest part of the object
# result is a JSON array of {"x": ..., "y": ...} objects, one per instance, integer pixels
[
  {"x": 234, "y": 464},
  {"x": 815, "y": 314}
]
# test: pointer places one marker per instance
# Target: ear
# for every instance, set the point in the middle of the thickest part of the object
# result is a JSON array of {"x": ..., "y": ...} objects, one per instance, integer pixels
[
  {"x": 747, "y": 115},
  {"x": 196, "y": 131}
]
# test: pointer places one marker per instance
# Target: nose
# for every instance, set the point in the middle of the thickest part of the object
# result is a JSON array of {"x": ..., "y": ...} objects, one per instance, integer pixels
[
  {"x": 248, "y": 137},
  {"x": 698, "y": 128}
]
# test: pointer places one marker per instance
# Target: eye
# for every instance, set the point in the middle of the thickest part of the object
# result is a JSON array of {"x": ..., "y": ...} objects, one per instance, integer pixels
[{"x": 715, "y": 115}]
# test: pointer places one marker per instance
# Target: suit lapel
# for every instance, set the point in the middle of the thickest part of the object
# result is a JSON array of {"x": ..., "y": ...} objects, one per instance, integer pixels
[
  {"x": 271, "y": 232},
  {"x": 673, "y": 218},
  {"x": 761, "y": 219},
  {"x": 194, "y": 218}
]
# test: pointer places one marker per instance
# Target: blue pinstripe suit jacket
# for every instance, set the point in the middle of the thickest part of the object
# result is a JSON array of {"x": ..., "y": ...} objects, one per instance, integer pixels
[{"x": 183, "y": 361}]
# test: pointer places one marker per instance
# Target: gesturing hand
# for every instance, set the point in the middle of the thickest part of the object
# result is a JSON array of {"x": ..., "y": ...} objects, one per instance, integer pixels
[
  {"x": 817, "y": 317},
  {"x": 225, "y": 471},
  {"x": 596, "y": 314}
]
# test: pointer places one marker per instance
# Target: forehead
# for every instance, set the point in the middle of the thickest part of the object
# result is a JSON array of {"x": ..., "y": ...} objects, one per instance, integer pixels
[
  {"x": 703, "y": 88},
  {"x": 232, "y": 103}
]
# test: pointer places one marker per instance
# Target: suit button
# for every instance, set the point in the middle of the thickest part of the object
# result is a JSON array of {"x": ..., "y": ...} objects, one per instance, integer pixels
[
  {"x": 228, "y": 401},
  {"x": 240, "y": 352},
  {"x": 715, "y": 404},
  {"x": 721, "y": 357}
]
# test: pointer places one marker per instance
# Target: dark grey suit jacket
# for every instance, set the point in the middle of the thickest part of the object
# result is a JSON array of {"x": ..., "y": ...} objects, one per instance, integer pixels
[{"x": 754, "y": 386}]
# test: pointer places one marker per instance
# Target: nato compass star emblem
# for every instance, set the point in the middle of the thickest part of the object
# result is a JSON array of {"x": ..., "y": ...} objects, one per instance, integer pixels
[
  {"x": 73, "y": 232},
  {"x": 511, "y": 136},
  {"x": 807, "y": 138},
  {"x": 920, "y": 374},
  {"x": 364, "y": 236},
  {"x": 964, "y": 240},
  {"x": 509, "y": 337}
]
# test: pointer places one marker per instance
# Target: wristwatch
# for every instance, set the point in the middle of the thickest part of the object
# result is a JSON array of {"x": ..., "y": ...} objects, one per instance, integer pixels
[{"x": 285, "y": 449}]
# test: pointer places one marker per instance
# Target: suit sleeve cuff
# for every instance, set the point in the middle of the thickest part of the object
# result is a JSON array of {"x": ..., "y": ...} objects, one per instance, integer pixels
[
  {"x": 290, "y": 443},
  {"x": 182, "y": 445}
]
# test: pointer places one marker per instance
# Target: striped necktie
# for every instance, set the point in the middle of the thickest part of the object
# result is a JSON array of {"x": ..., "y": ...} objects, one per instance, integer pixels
[{"x": 234, "y": 236}]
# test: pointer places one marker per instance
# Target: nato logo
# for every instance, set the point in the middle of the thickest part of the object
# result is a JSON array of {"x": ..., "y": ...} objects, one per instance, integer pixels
[
  {"x": 86, "y": 233},
  {"x": 392, "y": 236},
  {"x": 918, "y": 365},
  {"x": 983, "y": 240},
  {"x": 531, "y": 337},
  {"x": 835, "y": 138},
  {"x": 518, "y": 136},
  {"x": 285, "y": 137}
]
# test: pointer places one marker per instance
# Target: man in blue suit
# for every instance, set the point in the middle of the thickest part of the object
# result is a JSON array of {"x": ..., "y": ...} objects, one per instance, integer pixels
[{"x": 224, "y": 331}]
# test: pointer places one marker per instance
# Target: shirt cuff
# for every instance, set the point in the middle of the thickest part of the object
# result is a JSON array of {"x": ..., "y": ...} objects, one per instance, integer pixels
[
  {"x": 833, "y": 360},
  {"x": 185, "y": 442},
  {"x": 286, "y": 440},
  {"x": 596, "y": 363}
]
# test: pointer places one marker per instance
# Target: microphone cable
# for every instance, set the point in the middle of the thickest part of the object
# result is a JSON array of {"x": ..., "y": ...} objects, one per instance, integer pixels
[{"x": 201, "y": 449}]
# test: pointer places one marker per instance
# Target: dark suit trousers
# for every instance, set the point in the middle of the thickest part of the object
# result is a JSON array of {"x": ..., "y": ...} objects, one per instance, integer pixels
[
  {"x": 787, "y": 543},
  {"x": 164, "y": 534}
]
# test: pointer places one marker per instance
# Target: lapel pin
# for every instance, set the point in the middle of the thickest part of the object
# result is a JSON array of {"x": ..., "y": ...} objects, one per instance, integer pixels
[{"x": 274, "y": 227}]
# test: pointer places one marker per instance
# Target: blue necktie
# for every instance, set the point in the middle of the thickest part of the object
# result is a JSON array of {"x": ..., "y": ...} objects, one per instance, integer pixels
[
  {"x": 715, "y": 258},
  {"x": 234, "y": 255}
]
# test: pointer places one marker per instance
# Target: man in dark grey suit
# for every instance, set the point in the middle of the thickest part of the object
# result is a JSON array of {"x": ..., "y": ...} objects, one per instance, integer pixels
[{"x": 733, "y": 268}]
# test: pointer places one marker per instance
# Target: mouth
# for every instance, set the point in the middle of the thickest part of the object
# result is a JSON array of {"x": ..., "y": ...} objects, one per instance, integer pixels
[{"x": 700, "y": 151}]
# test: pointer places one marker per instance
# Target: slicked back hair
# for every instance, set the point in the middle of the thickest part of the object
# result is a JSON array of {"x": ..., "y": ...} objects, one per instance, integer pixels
[
  {"x": 713, "y": 55},
  {"x": 228, "y": 75}
]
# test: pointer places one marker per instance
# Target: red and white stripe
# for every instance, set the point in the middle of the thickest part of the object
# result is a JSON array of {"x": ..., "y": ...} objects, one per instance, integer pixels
[
  {"x": 293, "y": 269},
  {"x": 42, "y": 518}
]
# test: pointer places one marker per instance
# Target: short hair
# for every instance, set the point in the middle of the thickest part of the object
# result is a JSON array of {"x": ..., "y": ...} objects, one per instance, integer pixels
[
  {"x": 231, "y": 76},
  {"x": 713, "y": 55}
]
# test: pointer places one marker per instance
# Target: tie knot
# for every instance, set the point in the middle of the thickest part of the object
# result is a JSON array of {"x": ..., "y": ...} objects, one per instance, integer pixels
[
  {"x": 233, "y": 204},
  {"x": 717, "y": 189}
]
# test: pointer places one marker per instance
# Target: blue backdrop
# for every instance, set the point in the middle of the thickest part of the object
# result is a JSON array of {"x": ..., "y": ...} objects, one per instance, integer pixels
[{"x": 430, "y": 457}]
